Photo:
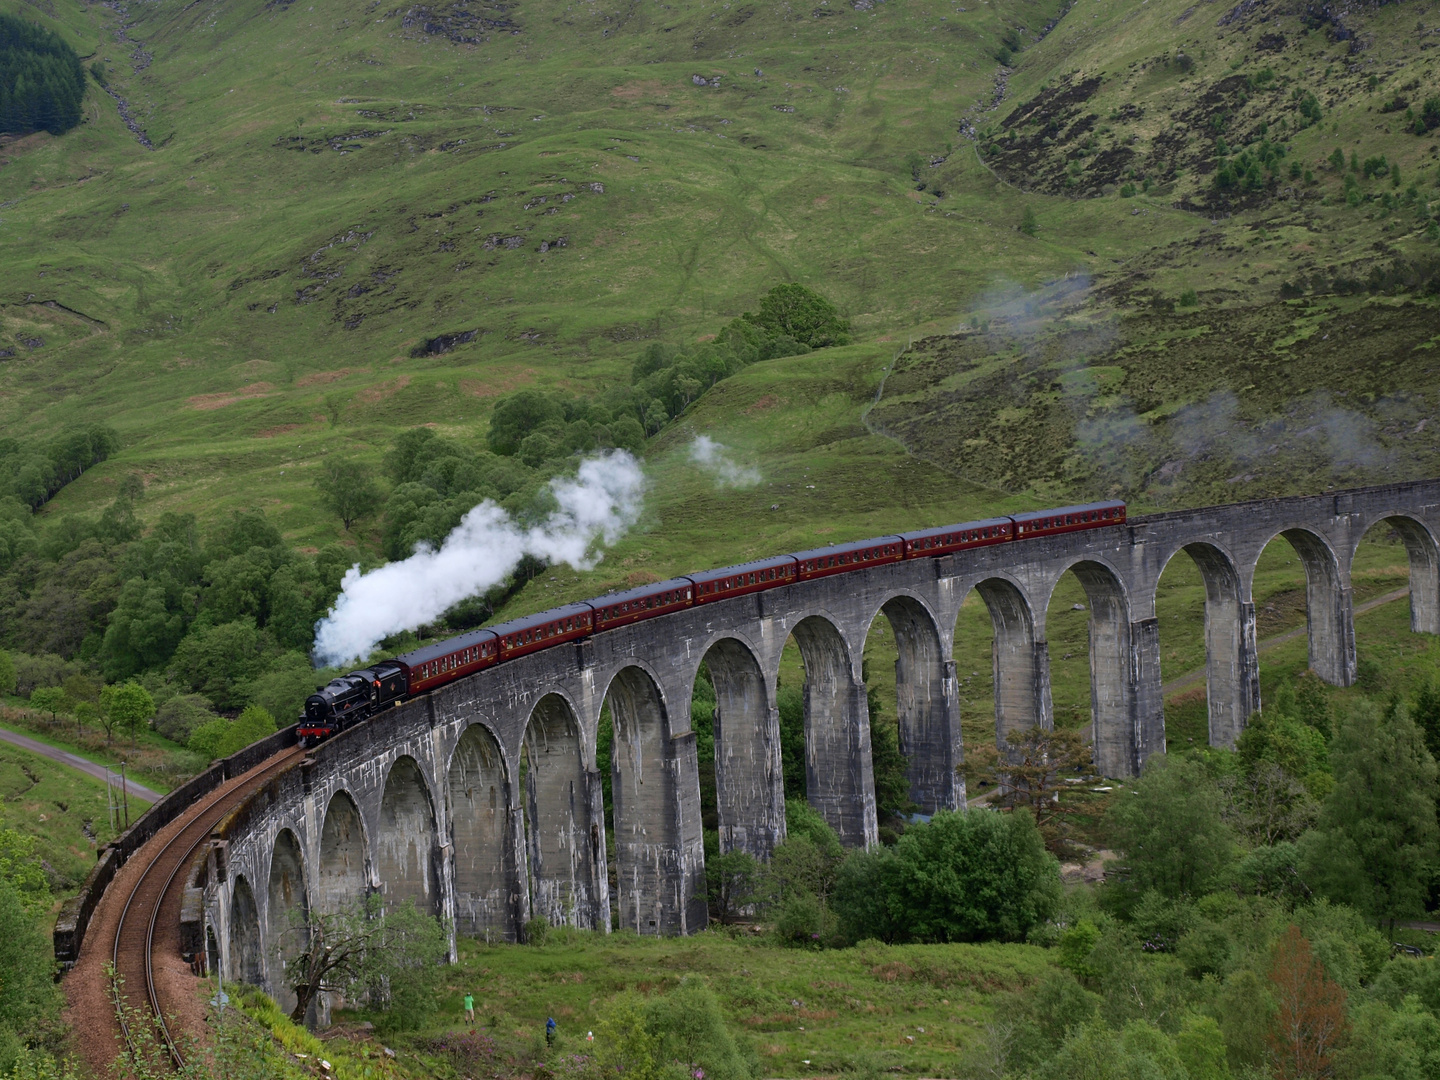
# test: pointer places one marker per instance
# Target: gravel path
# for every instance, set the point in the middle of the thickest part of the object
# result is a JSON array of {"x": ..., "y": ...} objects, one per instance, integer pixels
[{"x": 75, "y": 761}]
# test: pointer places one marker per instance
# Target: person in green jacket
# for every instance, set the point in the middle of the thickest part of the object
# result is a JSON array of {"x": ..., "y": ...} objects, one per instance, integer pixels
[{"x": 470, "y": 1007}]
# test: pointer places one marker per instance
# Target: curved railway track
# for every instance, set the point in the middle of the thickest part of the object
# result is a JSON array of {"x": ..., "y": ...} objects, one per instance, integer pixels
[{"x": 156, "y": 894}]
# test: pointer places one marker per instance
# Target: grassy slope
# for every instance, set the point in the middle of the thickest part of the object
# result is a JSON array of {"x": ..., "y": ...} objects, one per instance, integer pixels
[
  {"x": 854, "y": 1007},
  {"x": 64, "y": 810},
  {"x": 176, "y": 256}
]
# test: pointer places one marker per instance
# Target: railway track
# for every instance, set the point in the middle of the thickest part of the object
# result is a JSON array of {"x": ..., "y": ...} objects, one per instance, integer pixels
[{"x": 154, "y": 900}]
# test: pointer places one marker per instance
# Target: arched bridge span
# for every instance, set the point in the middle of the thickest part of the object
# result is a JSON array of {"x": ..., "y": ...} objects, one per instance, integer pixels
[{"x": 481, "y": 800}]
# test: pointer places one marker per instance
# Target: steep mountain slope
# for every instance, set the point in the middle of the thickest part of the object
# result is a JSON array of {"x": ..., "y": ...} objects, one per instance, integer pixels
[{"x": 355, "y": 219}]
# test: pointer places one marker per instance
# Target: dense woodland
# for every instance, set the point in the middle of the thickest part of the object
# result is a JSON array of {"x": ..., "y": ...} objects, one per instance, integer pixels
[{"x": 42, "y": 83}]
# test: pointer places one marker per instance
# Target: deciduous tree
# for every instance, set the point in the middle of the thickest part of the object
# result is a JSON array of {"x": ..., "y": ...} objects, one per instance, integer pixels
[
  {"x": 1376, "y": 842},
  {"x": 348, "y": 490},
  {"x": 1309, "y": 1021}
]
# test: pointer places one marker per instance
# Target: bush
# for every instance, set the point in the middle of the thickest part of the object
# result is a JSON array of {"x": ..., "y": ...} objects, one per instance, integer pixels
[
  {"x": 689, "y": 1031},
  {"x": 965, "y": 876},
  {"x": 219, "y": 738}
]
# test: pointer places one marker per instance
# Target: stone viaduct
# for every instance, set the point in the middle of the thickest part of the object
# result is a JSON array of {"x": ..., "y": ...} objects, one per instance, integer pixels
[{"x": 481, "y": 800}]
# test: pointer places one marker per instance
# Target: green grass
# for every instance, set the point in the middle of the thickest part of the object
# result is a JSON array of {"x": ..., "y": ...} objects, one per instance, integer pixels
[
  {"x": 64, "y": 810},
  {"x": 164, "y": 265},
  {"x": 841, "y": 1010}
]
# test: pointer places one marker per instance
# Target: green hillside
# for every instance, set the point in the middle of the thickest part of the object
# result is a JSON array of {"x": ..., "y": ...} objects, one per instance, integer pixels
[{"x": 285, "y": 233}]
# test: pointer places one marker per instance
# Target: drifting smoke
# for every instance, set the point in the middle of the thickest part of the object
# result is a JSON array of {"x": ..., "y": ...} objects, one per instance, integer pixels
[
  {"x": 715, "y": 459},
  {"x": 599, "y": 504}
]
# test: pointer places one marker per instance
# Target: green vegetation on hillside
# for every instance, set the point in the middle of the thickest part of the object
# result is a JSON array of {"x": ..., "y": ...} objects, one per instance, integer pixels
[{"x": 41, "y": 80}]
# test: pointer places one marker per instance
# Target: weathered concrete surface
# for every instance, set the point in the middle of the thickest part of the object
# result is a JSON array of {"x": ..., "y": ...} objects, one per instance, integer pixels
[{"x": 481, "y": 801}]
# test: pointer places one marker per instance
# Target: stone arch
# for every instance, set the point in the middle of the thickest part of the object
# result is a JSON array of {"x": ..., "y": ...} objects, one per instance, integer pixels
[
  {"x": 1329, "y": 618},
  {"x": 1423, "y": 553},
  {"x": 1232, "y": 680},
  {"x": 839, "y": 781},
  {"x": 405, "y": 853},
  {"x": 1119, "y": 741},
  {"x": 1021, "y": 671},
  {"x": 658, "y": 861},
  {"x": 749, "y": 785},
  {"x": 481, "y": 836},
  {"x": 247, "y": 952},
  {"x": 927, "y": 706},
  {"x": 341, "y": 881},
  {"x": 565, "y": 840},
  {"x": 286, "y": 913}
]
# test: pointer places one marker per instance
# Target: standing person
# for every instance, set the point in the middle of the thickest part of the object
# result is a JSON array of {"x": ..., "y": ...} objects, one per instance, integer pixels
[
  {"x": 550, "y": 1031},
  {"x": 470, "y": 1007}
]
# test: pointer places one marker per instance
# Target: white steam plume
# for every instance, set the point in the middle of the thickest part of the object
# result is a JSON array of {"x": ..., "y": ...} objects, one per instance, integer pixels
[
  {"x": 600, "y": 504},
  {"x": 715, "y": 459}
]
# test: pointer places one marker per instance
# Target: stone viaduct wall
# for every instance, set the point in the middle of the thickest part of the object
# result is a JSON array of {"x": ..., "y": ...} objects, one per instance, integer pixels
[{"x": 481, "y": 800}]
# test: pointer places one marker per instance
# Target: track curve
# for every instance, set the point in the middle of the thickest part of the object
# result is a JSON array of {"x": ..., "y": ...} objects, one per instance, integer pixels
[{"x": 140, "y": 915}]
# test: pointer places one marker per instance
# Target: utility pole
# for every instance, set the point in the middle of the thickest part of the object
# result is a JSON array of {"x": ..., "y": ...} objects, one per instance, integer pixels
[{"x": 125, "y": 793}]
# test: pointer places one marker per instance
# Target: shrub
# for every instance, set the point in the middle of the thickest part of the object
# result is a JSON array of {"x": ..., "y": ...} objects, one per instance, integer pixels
[{"x": 964, "y": 876}]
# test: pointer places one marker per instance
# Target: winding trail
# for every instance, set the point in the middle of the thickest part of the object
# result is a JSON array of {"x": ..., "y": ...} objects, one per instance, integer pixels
[{"x": 75, "y": 761}]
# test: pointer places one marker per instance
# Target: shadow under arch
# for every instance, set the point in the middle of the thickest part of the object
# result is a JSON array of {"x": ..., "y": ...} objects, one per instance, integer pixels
[
  {"x": 839, "y": 777},
  {"x": 1232, "y": 683},
  {"x": 341, "y": 881},
  {"x": 1119, "y": 742},
  {"x": 247, "y": 957},
  {"x": 1021, "y": 673},
  {"x": 405, "y": 842},
  {"x": 482, "y": 833},
  {"x": 565, "y": 840},
  {"x": 659, "y": 851},
  {"x": 749, "y": 784},
  {"x": 286, "y": 913},
  {"x": 1423, "y": 554},
  {"x": 1329, "y": 618},
  {"x": 927, "y": 707}
]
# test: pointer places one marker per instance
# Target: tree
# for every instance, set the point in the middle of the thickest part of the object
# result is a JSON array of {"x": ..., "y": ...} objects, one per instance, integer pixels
[
  {"x": 1170, "y": 828},
  {"x": 178, "y": 718},
  {"x": 42, "y": 82},
  {"x": 1376, "y": 841},
  {"x": 393, "y": 955},
  {"x": 130, "y": 707},
  {"x": 1309, "y": 1022},
  {"x": 219, "y": 738},
  {"x": 221, "y": 661},
  {"x": 7, "y": 673},
  {"x": 965, "y": 876},
  {"x": 49, "y": 699},
  {"x": 1028, "y": 225},
  {"x": 731, "y": 879},
  {"x": 1030, "y": 775},
  {"x": 517, "y": 416},
  {"x": 796, "y": 312},
  {"x": 348, "y": 489},
  {"x": 689, "y": 1030}
]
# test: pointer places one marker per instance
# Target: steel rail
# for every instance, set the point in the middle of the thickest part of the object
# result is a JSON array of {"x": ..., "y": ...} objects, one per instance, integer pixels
[{"x": 231, "y": 796}]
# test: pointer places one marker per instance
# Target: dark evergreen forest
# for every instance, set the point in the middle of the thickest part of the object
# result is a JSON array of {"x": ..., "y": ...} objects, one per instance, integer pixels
[{"x": 41, "y": 81}]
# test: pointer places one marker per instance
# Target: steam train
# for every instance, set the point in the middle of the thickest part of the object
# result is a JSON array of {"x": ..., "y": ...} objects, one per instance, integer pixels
[{"x": 348, "y": 699}]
